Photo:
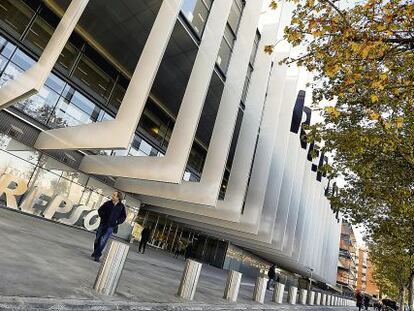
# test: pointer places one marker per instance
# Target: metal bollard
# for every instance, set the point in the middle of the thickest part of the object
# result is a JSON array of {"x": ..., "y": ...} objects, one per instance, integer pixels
[
  {"x": 260, "y": 289},
  {"x": 232, "y": 286},
  {"x": 189, "y": 279},
  {"x": 311, "y": 298},
  {"x": 303, "y": 295},
  {"x": 111, "y": 268},
  {"x": 292, "y": 293},
  {"x": 278, "y": 293},
  {"x": 318, "y": 299}
]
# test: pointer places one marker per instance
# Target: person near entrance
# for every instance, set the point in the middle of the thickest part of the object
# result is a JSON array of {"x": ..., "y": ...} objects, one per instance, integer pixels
[
  {"x": 145, "y": 236},
  {"x": 272, "y": 276},
  {"x": 112, "y": 214}
]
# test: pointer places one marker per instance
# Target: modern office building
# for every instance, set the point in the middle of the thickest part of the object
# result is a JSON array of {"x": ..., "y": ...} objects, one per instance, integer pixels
[
  {"x": 175, "y": 103},
  {"x": 348, "y": 260}
]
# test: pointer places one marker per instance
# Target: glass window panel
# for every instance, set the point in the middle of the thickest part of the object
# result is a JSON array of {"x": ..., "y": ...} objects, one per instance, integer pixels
[
  {"x": 6, "y": 48},
  {"x": 3, "y": 62},
  {"x": 55, "y": 83},
  {"x": 10, "y": 73},
  {"x": 117, "y": 96},
  {"x": 196, "y": 158},
  {"x": 10, "y": 164},
  {"x": 18, "y": 149},
  {"x": 246, "y": 84},
  {"x": 39, "y": 34},
  {"x": 145, "y": 147},
  {"x": 68, "y": 56},
  {"x": 99, "y": 187},
  {"x": 103, "y": 116},
  {"x": 22, "y": 60},
  {"x": 39, "y": 106},
  {"x": 136, "y": 153},
  {"x": 67, "y": 114},
  {"x": 255, "y": 48},
  {"x": 235, "y": 16},
  {"x": 15, "y": 15},
  {"x": 223, "y": 57},
  {"x": 153, "y": 125},
  {"x": 94, "y": 77},
  {"x": 79, "y": 100},
  {"x": 196, "y": 14},
  {"x": 229, "y": 35}
]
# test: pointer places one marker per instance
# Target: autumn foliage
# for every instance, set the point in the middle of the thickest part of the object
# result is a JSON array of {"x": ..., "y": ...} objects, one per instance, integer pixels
[{"x": 362, "y": 57}]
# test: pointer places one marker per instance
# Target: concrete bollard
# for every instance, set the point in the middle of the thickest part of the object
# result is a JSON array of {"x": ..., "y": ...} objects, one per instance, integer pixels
[
  {"x": 323, "y": 299},
  {"x": 189, "y": 279},
  {"x": 303, "y": 295},
  {"x": 328, "y": 300},
  {"x": 311, "y": 298},
  {"x": 260, "y": 289},
  {"x": 111, "y": 267},
  {"x": 278, "y": 293},
  {"x": 232, "y": 286},
  {"x": 292, "y": 294},
  {"x": 318, "y": 299}
]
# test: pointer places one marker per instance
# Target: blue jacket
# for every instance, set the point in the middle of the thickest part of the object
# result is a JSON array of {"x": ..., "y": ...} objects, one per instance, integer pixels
[{"x": 112, "y": 215}]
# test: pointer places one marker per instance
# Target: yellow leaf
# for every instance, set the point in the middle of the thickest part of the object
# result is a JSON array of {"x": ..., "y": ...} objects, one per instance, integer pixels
[
  {"x": 332, "y": 70},
  {"x": 365, "y": 51},
  {"x": 399, "y": 122},
  {"x": 268, "y": 49},
  {"x": 373, "y": 115},
  {"x": 374, "y": 98},
  {"x": 378, "y": 85},
  {"x": 332, "y": 111},
  {"x": 273, "y": 5}
]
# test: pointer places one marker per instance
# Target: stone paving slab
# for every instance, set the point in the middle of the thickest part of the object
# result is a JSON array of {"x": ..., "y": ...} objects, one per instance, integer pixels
[
  {"x": 20, "y": 303},
  {"x": 47, "y": 266}
]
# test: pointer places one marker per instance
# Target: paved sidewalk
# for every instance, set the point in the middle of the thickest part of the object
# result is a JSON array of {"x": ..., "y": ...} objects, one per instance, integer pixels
[{"x": 49, "y": 261}]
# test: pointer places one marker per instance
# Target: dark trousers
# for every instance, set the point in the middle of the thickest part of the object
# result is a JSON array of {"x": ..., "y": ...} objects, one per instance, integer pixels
[
  {"x": 102, "y": 236},
  {"x": 142, "y": 246}
]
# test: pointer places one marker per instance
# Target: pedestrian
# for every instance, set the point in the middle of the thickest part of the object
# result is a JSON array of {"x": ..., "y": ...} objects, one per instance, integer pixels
[
  {"x": 112, "y": 214},
  {"x": 367, "y": 300},
  {"x": 359, "y": 299},
  {"x": 145, "y": 236},
  {"x": 271, "y": 273}
]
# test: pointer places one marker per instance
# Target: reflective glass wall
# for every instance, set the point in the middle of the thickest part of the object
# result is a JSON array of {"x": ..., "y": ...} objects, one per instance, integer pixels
[{"x": 34, "y": 183}]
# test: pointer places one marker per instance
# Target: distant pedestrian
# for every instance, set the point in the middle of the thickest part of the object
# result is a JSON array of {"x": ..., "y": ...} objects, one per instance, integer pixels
[
  {"x": 367, "y": 300},
  {"x": 271, "y": 273},
  {"x": 145, "y": 237},
  {"x": 112, "y": 214},
  {"x": 359, "y": 299}
]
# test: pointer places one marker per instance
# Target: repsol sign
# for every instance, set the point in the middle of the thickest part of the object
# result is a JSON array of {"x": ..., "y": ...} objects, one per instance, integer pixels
[
  {"x": 302, "y": 116},
  {"x": 43, "y": 202}
]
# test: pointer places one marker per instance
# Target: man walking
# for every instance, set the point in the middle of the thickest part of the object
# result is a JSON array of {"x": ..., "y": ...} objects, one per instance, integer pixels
[
  {"x": 145, "y": 236},
  {"x": 112, "y": 214},
  {"x": 271, "y": 273}
]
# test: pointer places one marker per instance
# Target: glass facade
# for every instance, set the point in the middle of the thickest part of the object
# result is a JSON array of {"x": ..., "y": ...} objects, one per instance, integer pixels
[
  {"x": 230, "y": 34},
  {"x": 83, "y": 87},
  {"x": 196, "y": 14},
  {"x": 175, "y": 237},
  {"x": 35, "y": 183}
]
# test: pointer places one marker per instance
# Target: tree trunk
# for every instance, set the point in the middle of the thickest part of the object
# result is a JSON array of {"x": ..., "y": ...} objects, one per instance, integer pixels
[
  {"x": 401, "y": 297},
  {"x": 411, "y": 292}
]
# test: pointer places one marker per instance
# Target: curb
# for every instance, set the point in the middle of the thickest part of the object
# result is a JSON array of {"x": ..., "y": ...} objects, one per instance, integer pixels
[{"x": 56, "y": 304}]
